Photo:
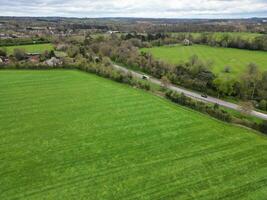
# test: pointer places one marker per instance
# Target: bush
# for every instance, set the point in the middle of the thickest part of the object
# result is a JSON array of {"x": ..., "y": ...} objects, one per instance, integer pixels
[
  {"x": 227, "y": 69},
  {"x": 263, "y": 105},
  {"x": 263, "y": 127},
  {"x": 19, "y": 54},
  {"x": 141, "y": 85},
  {"x": 213, "y": 111},
  {"x": 3, "y": 52}
]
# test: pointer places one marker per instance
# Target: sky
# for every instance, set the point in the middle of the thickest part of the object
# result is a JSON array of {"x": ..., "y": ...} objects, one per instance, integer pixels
[{"x": 136, "y": 8}]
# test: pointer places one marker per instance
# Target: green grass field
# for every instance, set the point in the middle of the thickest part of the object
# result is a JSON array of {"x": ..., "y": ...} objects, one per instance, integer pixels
[
  {"x": 236, "y": 59},
  {"x": 218, "y": 35},
  {"x": 72, "y": 135},
  {"x": 32, "y": 48}
]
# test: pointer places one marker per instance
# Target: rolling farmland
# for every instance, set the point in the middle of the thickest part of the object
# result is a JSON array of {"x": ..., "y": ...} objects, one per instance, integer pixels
[
  {"x": 236, "y": 59},
  {"x": 32, "y": 48},
  {"x": 72, "y": 135}
]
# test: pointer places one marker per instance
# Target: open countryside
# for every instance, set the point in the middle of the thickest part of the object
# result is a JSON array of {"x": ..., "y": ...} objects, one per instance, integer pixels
[
  {"x": 236, "y": 60},
  {"x": 64, "y": 137},
  {"x": 133, "y": 100}
]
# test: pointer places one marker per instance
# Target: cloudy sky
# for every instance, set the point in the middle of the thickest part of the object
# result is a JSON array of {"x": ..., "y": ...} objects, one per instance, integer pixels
[{"x": 136, "y": 8}]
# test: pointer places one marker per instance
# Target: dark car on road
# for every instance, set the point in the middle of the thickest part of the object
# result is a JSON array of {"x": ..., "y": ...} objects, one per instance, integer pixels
[{"x": 204, "y": 95}]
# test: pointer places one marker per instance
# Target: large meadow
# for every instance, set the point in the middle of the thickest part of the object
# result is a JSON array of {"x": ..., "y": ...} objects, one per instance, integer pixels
[
  {"x": 236, "y": 60},
  {"x": 72, "y": 135}
]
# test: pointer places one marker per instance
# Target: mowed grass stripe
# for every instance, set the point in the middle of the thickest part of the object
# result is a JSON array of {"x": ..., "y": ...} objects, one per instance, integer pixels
[{"x": 88, "y": 137}]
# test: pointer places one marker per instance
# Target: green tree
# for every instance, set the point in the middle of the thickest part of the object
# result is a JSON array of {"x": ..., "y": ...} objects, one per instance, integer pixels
[
  {"x": 263, "y": 105},
  {"x": 263, "y": 127},
  {"x": 3, "y": 52},
  {"x": 19, "y": 54},
  {"x": 193, "y": 60},
  {"x": 73, "y": 51},
  {"x": 251, "y": 79},
  {"x": 88, "y": 39},
  {"x": 224, "y": 86}
]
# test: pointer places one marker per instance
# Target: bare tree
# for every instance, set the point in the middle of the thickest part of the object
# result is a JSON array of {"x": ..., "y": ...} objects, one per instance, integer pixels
[
  {"x": 246, "y": 107},
  {"x": 165, "y": 81},
  {"x": 253, "y": 77}
]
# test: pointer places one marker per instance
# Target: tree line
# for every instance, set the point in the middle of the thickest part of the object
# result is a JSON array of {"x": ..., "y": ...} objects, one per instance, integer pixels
[
  {"x": 228, "y": 40},
  {"x": 23, "y": 41}
]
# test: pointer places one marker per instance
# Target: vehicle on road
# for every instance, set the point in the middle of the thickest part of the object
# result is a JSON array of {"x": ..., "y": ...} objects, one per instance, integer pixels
[
  {"x": 204, "y": 95},
  {"x": 145, "y": 77}
]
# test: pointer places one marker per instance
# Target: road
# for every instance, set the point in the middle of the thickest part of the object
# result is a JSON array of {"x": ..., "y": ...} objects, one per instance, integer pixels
[{"x": 194, "y": 95}]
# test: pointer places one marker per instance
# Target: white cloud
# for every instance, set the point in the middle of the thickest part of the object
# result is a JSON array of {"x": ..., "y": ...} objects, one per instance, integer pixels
[{"x": 136, "y": 8}]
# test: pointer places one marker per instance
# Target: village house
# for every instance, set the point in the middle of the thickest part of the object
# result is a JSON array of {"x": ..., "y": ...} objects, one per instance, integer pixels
[
  {"x": 112, "y": 32},
  {"x": 33, "y": 57},
  {"x": 53, "y": 62},
  {"x": 187, "y": 42}
]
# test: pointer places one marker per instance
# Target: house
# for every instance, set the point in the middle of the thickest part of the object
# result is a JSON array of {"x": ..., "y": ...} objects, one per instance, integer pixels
[
  {"x": 53, "y": 62},
  {"x": 112, "y": 32},
  {"x": 96, "y": 59},
  {"x": 34, "y": 59},
  {"x": 33, "y": 54},
  {"x": 4, "y": 60},
  {"x": 187, "y": 42}
]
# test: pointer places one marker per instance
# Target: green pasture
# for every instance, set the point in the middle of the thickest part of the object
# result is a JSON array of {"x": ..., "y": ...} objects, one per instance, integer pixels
[
  {"x": 236, "y": 59},
  {"x": 72, "y": 135},
  {"x": 219, "y": 35},
  {"x": 32, "y": 48}
]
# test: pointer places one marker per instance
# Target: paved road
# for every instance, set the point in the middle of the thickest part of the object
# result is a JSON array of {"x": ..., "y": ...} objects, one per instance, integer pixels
[{"x": 194, "y": 95}]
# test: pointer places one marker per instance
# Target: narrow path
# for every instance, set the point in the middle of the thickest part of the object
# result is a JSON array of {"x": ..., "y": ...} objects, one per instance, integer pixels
[{"x": 194, "y": 95}]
